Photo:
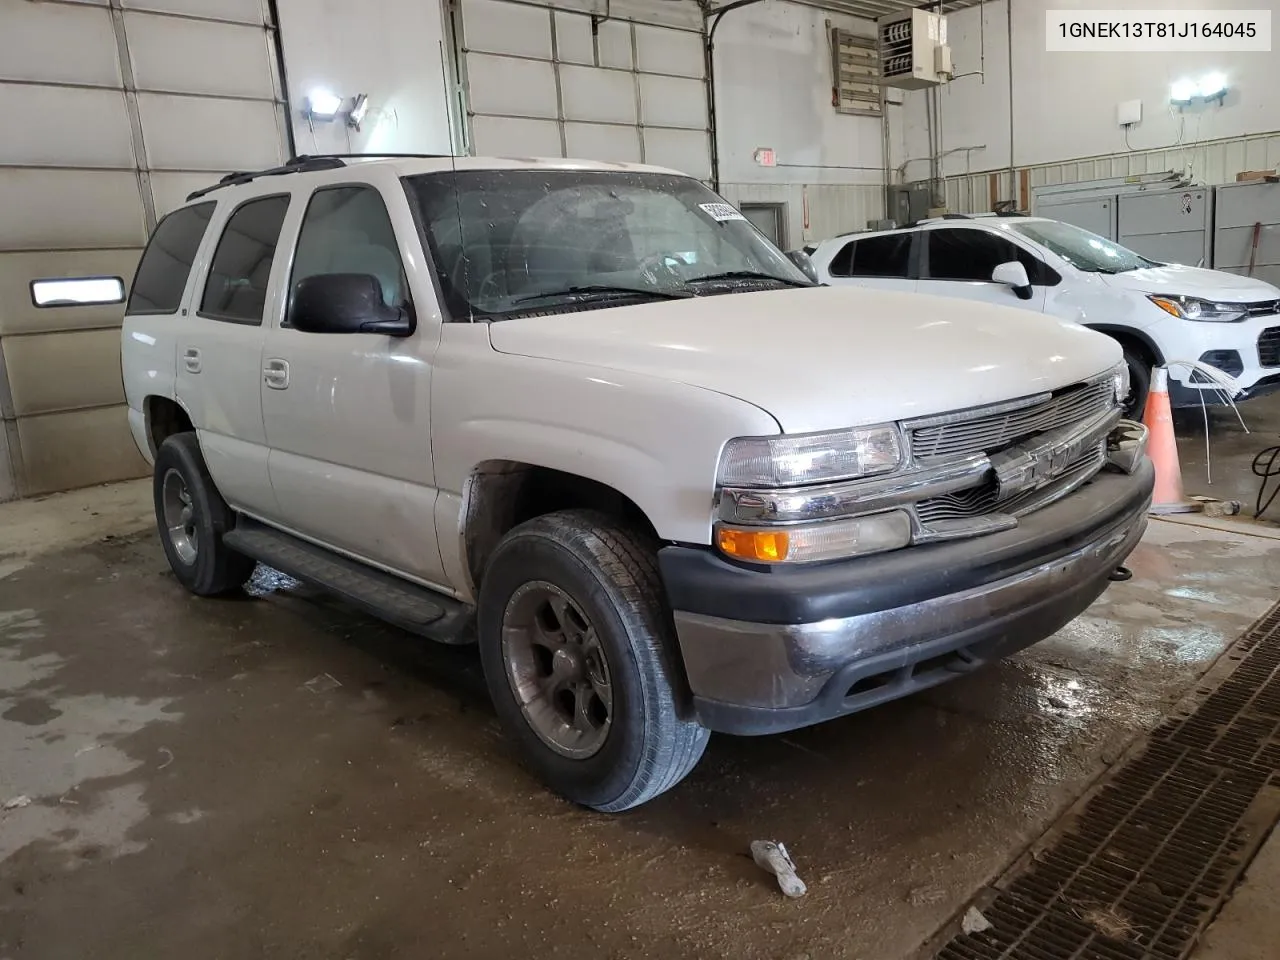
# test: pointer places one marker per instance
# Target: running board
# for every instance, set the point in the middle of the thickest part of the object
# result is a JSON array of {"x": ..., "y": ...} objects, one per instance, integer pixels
[{"x": 409, "y": 606}]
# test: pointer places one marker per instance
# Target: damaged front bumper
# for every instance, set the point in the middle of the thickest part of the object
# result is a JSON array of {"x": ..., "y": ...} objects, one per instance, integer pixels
[{"x": 769, "y": 650}]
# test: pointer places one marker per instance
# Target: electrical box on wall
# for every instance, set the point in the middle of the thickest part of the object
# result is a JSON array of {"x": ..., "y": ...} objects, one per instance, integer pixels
[
  {"x": 1129, "y": 112},
  {"x": 913, "y": 50}
]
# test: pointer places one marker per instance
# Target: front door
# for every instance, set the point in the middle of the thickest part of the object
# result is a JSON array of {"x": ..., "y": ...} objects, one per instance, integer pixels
[
  {"x": 219, "y": 352},
  {"x": 348, "y": 414},
  {"x": 959, "y": 261}
]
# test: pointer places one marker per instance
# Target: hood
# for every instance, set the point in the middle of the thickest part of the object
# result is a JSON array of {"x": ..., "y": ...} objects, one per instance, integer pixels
[
  {"x": 821, "y": 359},
  {"x": 1177, "y": 280}
]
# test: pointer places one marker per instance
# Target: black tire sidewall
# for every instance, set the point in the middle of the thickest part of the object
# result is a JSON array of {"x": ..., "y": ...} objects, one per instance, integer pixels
[
  {"x": 600, "y": 779},
  {"x": 1139, "y": 382},
  {"x": 181, "y": 452}
]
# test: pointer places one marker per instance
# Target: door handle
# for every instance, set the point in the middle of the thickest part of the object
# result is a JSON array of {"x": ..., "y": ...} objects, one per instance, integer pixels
[
  {"x": 276, "y": 374},
  {"x": 191, "y": 360}
]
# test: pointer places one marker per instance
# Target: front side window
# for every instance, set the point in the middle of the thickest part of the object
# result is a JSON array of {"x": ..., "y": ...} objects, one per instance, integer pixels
[
  {"x": 166, "y": 263},
  {"x": 237, "y": 286},
  {"x": 1080, "y": 248},
  {"x": 967, "y": 254},
  {"x": 347, "y": 230},
  {"x": 511, "y": 242}
]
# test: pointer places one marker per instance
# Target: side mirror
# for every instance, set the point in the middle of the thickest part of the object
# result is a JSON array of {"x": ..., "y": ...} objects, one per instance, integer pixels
[
  {"x": 347, "y": 303},
  {"x": 801, "y": 260},
  {"x": 1013, "y": 274}
]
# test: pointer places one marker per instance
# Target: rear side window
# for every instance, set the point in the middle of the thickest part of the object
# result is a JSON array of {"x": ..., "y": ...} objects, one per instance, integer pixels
[
  {"x": 166, "y": 263},
  {"x": 972, "y": 255},
  {"x": 237, "y": 286},
  {"x": 884, "y": 256}
]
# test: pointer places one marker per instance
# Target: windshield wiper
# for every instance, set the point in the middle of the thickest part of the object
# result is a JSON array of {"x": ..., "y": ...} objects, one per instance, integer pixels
[
  {"x": 747, "y": 275},
  {"x": 598, "y": 291}
]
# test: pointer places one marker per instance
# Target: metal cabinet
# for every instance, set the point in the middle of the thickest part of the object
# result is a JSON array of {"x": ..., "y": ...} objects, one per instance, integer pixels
[
  {"x": 1169, "y": 226},
  {"x": 1240, "y": 211}
]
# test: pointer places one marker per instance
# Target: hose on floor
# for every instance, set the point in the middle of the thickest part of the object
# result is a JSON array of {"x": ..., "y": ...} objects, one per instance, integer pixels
[{"x": 1266, "y": 471}]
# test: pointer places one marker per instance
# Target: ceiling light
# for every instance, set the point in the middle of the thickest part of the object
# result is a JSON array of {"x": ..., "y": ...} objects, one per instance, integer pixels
[
  {"x": 322, "y": 105},
  {"x": 359, "y": 108},
  {"x": 1182, "y": 91},
  {"x": 1212, "y": 85}
]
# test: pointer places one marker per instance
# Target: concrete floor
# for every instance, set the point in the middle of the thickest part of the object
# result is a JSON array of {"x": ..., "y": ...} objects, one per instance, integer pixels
[{"x": 278, "y": 776}]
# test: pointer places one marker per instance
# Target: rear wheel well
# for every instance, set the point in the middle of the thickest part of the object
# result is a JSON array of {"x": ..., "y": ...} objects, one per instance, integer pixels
[
  {"x": 502, "y": 494},
  {"x": 164, "y": 418}
]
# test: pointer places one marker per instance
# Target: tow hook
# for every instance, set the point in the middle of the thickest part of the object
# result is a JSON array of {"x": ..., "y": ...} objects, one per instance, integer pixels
[{"x": 1119, "y": 574}]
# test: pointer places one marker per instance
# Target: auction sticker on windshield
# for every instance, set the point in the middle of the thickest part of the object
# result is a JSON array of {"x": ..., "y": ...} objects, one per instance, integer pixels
[{"x": 720, "y": 212}]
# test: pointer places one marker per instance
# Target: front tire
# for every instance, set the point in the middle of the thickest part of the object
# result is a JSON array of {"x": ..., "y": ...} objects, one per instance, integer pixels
[
  {"x": 1139, "y": 383},
  {"x": 579, "y": 655},
  {"x": 191, "y": 517}
]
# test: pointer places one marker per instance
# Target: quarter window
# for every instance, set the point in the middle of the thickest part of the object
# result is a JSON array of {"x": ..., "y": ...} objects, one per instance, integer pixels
[
  {"x": 166, "y": 263},
  {"x": 237, "y": 286}
]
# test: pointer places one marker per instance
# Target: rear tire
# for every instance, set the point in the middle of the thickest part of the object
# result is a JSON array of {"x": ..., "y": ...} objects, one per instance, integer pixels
[
  {"x": 191, "y": 517},
  {"x": 580, "y": 658},
  {"x": 1139, "y": 382}
]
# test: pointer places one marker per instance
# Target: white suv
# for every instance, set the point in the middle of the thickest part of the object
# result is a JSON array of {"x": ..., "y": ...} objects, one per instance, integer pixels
[
  {"x": 1160, "y": 313},
  {"x": 588, "y": 417}
]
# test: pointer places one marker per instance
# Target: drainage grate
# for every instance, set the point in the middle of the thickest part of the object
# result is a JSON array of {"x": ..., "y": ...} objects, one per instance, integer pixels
[{"x": 1141, "y": 864}]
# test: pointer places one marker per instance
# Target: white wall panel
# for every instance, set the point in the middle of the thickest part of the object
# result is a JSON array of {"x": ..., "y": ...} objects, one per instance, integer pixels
[
  {"x": 669, "y": 51},
  {"x": 68, "y": 126},
  {"x": 685, "y": 150},
  {"x": 198, "y": 133},
  {"x": 496, "y": 27},
  {"x": 603, "y": 95},
  {"x": 57, "y": 43},
  {"x": 506, "y": 137},
  {"x": 673, "y": 101},
  {"x": 64, "y": 450},
  {"x": 19, "y": 315},
  {"x": 511, "y": 87},
  {"x": 193, "y": 56},
  {"x": 594, "y": 141},
  {"x": 573, "y": 38},
  {"x": 57, "y": 209},
  {"x": 64, "y": 371},
  {"x": 615, "y": 45},
  {"x": 241, "y": 11}
]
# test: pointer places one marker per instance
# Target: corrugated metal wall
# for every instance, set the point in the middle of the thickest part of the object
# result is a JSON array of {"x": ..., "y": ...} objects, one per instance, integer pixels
[{"x": 1212, "y": 163}]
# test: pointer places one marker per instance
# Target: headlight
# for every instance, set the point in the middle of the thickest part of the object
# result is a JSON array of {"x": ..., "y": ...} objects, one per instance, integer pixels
[
  {"x": 1120, "y": 379},
  {"x": 1193, "y": 308},
  {"x": 829, "y": 540},
  {"x": 788, "y": 461}
]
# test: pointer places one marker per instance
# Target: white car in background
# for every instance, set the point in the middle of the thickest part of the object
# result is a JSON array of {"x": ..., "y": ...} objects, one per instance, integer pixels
[{"x": 1160, "y": 313}]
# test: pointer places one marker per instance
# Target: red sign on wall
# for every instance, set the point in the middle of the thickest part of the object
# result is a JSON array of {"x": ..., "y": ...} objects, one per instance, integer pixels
[{"x": 766, "y": 157}]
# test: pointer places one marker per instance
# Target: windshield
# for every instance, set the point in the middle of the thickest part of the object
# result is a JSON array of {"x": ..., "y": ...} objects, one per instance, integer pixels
[
  {"x": 1080, "y": 248},
  {"x": 507, "y": 242}
]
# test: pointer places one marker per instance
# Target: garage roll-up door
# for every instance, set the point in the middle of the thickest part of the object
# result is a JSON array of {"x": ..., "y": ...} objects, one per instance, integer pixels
[
  {"x": 118, "y": 110},
  {"x": 559, "y": 83}
]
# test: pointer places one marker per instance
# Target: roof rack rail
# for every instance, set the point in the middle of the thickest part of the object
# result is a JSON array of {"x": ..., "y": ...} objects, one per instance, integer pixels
[
  {"x": 945, "y": 216},
  {"x": 307, "y": 162},
  {"x": 294, "y": 165}
]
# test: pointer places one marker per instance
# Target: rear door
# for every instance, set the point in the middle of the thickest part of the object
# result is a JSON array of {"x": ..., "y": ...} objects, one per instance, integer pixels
[
  {"x": 220, "y": 351},
  {"x": 958, "y": 262},
  {"x": 884, "y": 262}
]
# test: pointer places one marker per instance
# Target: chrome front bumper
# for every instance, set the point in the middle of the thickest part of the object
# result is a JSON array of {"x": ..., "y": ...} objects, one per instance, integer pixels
[{"x": 912, "y": 621}]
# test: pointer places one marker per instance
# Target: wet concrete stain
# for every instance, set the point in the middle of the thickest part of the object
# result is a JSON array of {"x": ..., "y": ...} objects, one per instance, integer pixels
[{"x": 192, "y": 796}]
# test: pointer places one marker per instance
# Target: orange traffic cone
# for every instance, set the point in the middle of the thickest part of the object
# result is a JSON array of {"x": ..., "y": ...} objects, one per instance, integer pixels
[{"x": 1162, "y": 448}]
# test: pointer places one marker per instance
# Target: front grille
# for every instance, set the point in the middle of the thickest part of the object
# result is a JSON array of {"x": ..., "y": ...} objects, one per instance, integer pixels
[
  {"x": 1269, "y": 347},
  {"x": 993, "y": 432},
  {"x": 1262, "y": 308},
  {"x": 981, "y": 501}
]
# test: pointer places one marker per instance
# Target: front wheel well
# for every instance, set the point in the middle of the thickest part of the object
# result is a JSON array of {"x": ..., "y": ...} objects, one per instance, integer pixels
[
  {"x": 502, "y": 494},
  {"x": 164, "y": 418},
  {"x": 1132, "y": 341}
]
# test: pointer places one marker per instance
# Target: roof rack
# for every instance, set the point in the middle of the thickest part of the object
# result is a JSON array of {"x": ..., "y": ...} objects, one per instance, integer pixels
[
  {"x": 308, "y": 163},
  {"x": 945, "y": 216}
]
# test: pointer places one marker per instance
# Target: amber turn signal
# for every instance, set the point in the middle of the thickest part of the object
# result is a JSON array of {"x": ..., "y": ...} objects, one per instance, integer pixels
[{"x": 767, "y": 545}]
